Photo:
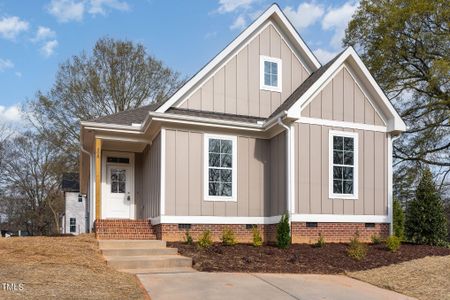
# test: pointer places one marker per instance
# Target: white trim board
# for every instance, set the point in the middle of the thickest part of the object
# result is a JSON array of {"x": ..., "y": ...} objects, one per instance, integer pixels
[
  {"x": 321, "y": 218},
  {"x": 162, "y": 192},
  {"x": 273, "y": 11},
  {"x": 341, "y": 124}
]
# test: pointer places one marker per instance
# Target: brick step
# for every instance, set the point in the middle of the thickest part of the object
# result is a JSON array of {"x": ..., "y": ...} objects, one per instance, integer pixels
[
  {"x": 126, "y": 237},
  {"x": 124, "y": 230}
]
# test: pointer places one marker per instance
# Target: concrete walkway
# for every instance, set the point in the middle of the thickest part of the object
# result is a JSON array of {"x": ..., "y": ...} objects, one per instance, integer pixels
[{"x": 217, "y": 286}]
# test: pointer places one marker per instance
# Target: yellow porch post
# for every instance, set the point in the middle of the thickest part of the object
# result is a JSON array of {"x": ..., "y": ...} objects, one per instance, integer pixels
[{"x": 98, "y": 178}]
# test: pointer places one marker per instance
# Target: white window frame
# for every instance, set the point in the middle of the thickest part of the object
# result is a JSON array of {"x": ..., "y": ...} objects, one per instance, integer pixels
[
  {"x": 278, "y": 61},
  {"x": 353, "y": 135},
  {"x": 206, "y": 195}
]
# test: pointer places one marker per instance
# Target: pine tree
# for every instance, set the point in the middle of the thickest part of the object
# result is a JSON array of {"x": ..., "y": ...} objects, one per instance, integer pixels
[
  {"x": 399, "y": 220},
  {"x": 425, "y": 220}
]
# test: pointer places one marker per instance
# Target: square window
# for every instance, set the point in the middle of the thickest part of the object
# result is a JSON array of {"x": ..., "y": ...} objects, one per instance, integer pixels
[{"x": 270, "y": 73}]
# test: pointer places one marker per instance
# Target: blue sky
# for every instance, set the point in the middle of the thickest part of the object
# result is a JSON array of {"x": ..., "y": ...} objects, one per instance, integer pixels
[{"x": 36, "y": 36}]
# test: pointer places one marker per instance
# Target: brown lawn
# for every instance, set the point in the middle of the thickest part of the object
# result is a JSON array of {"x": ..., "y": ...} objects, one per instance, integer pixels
[
  {"x": 61, "y": 268},
  {"x": 425, "y": 278}
]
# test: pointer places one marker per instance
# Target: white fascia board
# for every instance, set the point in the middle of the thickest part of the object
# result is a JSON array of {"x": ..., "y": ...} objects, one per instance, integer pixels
[
  {"x": 192, "y": 120},
  {"x": 329, "y": 218},
  {"x": 273, "y": 10},
  {"x": 396, "y": 123},
  {"x": 96, "y": 125},
  {"x": 320, "y": 218}
]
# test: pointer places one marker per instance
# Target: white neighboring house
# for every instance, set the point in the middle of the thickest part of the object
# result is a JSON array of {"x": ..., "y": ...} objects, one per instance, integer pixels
[{"x": 74, "y": 219}]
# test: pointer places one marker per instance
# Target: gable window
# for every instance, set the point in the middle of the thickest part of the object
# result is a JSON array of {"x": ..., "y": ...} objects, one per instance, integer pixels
[
  {"x": 343, "y": 160},
  {"x": 220, "y": 168},
  {"x": 270, "y": 69},
  {"x": 73, "y": 225}
]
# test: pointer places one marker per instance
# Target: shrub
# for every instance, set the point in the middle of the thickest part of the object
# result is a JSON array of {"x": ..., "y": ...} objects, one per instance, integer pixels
[
  {"x": 257, "y": 239},
  {"x": 393, "y": 243},
  {"x": 356, "y": 249},
  {"x": 376, "y": 239},
  {"x": 320, "y": 242},
  {"x": 188, "y": 238},
  {"x": 283, "y": 232},
  {"x": 399, "y": 220},
  {"x": 426, "y": 222},
  {"x": 205, "y": 239},
  {"x": 228, "y": 238}
]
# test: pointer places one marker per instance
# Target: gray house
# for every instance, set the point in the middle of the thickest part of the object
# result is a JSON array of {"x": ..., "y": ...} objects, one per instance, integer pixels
[{"x": 261, "y": 130}]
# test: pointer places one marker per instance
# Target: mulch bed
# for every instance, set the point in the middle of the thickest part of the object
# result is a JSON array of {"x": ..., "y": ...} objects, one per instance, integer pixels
[{"x": 299, "y": 258}]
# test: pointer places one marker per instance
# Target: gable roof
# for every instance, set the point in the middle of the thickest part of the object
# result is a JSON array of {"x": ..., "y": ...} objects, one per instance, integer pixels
[
  {"x": 277, "y": 15},
  {"x": 349, "y": 55},
  {"x": 127, "y": 117},
  {"x": 214, "y": 115},
  {"x": 304, "y": 87}
]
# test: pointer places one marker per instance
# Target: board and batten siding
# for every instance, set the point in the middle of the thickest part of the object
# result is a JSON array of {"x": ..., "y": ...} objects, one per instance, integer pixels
[
  {"x": 235, "y": 88},
  {"x": 184, "y": 177},
  {"x": 148, "y": 180},
  {"x": 343, "y": 100},
  {"x": 312, "y": 173}
]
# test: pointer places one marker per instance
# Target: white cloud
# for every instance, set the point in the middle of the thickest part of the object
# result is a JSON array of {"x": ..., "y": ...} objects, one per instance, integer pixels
[
  {"x": 74, "y": 10},
  {"x": 18, "y": 74},
  {"x": 43, "y": 33},
  {"x": 10, "y": 27},
  {"x": 66, "y": 10},
  {"x": 323, "y": 55},
  {"x": 336, "y": 19},
  {"x": 226, "y": 6},
  {"x": 5, "y": 64},
  {"x": 305, "y": 15},
  {"x": 10, "y": 114},
  {"x": 49, "y": 48},
  {"x": 239, "y": 23},
  {"x": 101, "y": 6}
]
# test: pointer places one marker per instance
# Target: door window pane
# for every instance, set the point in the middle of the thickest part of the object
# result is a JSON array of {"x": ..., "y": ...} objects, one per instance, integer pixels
[{"x": 118, "y": 181}]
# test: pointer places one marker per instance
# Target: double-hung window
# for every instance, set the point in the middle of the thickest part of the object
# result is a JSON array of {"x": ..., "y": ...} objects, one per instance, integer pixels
[
  {"x": 343, "y": 162},
  {"x": 270, "y": 69},
  {"x": 73, "y": 225},
  {"x": 220, "y": 168}
]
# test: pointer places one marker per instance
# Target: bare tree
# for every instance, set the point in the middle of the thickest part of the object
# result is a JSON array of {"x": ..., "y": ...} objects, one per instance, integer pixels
[
  {"x": 117, "y": 76},
  {"x": 31, "y": 181}
]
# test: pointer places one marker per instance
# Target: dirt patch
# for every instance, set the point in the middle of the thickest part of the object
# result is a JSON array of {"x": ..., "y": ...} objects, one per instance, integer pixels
[
  {"x": 425, "y": 278},
  {"x": 62, "y": 268},
  {"x": 299, "y": 258}
]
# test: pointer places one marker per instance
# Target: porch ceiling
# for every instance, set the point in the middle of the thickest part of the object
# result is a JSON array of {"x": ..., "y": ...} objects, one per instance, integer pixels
[{"x": 125, "y": 146}]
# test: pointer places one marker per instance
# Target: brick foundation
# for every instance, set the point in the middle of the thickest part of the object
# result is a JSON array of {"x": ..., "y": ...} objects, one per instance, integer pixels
[
  {"x": 124, "y": 230},
  {"x": 336, "y": 232},
  {"x": 142, "y": 230},
  {"x": 171, "y": 232},
  {"x": 332, "y": 232}
]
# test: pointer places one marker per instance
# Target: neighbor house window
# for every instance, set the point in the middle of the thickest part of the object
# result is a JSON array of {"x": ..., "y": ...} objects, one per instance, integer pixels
[
  {"x": 73, "y": 225},
  {"x": 270, "y": 69},
  {"x": 220, "y": 168},
  {"x": 343, "y": 165}
]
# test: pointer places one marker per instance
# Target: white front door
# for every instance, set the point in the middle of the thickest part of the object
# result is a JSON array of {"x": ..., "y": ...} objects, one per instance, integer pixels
[{"x": 119, "y": 196}]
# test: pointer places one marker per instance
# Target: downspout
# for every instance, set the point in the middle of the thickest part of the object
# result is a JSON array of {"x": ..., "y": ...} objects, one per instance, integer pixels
[
  {"x": 391, "y": 196},
  {"x": 88, "y": 204},
  {"x": 288, "y": 168}
]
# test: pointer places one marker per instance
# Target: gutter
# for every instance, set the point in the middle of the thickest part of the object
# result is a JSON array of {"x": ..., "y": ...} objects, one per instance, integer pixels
[{"x": 288, "y": 168}]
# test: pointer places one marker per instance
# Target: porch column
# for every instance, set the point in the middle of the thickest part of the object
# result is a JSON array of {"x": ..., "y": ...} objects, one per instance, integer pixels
[{"x": 98, "y": 178}]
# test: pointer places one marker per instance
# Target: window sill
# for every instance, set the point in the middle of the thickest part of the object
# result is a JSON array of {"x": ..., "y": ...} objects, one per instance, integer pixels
[
  {"x": 271, "y": 88},
  {"x": 220, "y": 199},
  {"x": 343, "y": 196}
]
